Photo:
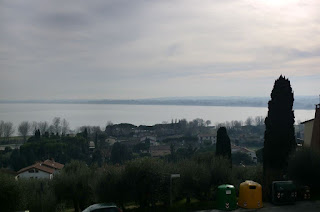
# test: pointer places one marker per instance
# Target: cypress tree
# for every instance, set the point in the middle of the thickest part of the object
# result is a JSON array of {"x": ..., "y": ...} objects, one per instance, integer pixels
[
  {"x": 223, "y": 146},
  {"x": 279, "y": 137}
]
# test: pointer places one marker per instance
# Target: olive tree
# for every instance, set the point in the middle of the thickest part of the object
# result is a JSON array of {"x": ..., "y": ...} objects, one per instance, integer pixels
[{"x": 73, "y": 184}]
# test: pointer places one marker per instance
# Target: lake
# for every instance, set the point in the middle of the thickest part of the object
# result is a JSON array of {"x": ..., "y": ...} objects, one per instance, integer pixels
[{"x": 99, "y": 114}]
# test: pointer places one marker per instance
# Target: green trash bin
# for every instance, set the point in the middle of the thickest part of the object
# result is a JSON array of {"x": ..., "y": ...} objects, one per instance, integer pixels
[
  {"x": 283, "y": 192},
  {"x": 226, "y": 198}
]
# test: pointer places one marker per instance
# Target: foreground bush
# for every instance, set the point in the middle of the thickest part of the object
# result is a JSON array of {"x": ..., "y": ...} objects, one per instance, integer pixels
[
  {"x": 195, "y": 180},
  {"x": 73, "y": 184},
  {"x": 304, "y": 168},
  {"x": 108, "y": 185},
  {"x": 9, "y": 193},
  {"x": 37, "y": 195},
  {"x": 26, "y": 194},
  {"x": 147, "y": 180}
]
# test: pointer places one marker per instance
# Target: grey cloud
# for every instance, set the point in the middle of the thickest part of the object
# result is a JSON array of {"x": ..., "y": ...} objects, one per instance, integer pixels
[
  {"x": 119, "y": 46},
  {"x": 65, "y": 21}
]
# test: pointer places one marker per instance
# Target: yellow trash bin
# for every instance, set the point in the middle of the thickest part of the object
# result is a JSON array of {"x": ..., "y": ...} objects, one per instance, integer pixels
[{"x": 250, "y": 195}]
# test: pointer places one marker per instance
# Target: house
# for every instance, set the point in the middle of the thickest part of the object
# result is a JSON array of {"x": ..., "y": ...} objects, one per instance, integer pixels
[
  {"x": 211, "y": 138},
  {"x": 160, "y": 151},
  {"x": 308, "y": 127},
  {"x": 53, "y": 165},
  {"x": 110, "y": 141},
  {"x": 249, "y": 152},
  {"x": 151, "y": 139},
  {"x": 92, "y": 146},
  {"x": 40, "y": 170},
  {"x": 312, "y": 131}
]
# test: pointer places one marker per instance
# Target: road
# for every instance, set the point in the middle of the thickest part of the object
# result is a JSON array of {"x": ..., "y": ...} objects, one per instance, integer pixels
[{"x": 307, "y": 206}]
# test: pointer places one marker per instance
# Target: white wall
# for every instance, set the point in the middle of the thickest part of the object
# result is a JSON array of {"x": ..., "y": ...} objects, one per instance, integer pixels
[{"x": 39, "y": 174}]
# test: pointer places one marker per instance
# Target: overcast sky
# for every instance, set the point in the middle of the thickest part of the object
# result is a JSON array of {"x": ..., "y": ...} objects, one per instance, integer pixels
[{"x": 141, "y": 49}]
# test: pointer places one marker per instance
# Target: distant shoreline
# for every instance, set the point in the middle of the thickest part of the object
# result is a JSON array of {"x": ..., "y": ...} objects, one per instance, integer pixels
[{"x": 302, "y": 103}]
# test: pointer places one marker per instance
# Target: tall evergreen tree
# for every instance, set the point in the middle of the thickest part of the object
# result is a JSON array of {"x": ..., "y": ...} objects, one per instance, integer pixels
[
  {"x": 279, "y": 138},
  {"x": 223, "y": 146}
]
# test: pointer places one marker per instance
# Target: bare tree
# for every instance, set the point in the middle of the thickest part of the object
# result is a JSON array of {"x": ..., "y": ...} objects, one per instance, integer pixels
[
  {"x": 95, "y": 129},
  {"x": 51, "y": 129},
  {"x": 33, "y": 127},
  {"x": 91, "y": 130},
  {"x": 83, "y": 128},
  {"x": 235, "y": 124},
  {"x": 56, "y": 123},
  {"x": 1, "y": 128},
  {"x": 249, "y": 121},
  {"x": 65, "y": 129},
  {"x": 43, "y": 127},
  {"x": 8, "y": 129},
  {"x": 228, "y": 124},
  {"x": 259, "y": 120},
  {"x": 24, "y": 129},
  {"x": 218, "y": 125}
]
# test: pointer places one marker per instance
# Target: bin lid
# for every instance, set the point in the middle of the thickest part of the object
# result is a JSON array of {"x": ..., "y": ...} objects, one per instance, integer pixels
[
  {"x": 283, "y": 185},
  {"x": 250, "y": 183},
  {"x": 226, "y": 186}
]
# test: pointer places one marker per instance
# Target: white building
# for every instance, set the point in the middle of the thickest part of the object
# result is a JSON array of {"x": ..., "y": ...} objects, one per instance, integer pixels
[
  {"x": 40, "y": 170},
  {"x": 110, "y": 141},
  {"x": 36, "y": 171},
  {"x": 212, "y": 138},
  {"x": 53, "y": 165},
  {"x": 249, "y": 152},
  {"x": 151, "y": 139}
]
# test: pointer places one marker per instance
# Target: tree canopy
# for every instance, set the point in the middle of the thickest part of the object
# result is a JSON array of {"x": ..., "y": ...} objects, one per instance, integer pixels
[
  {"x": 223, "y": 146},
  {"x": 279, "y": 138}
]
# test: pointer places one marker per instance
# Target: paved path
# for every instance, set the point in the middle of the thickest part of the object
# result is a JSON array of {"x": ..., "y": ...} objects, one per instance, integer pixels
[{"x": 307, "y": 206}]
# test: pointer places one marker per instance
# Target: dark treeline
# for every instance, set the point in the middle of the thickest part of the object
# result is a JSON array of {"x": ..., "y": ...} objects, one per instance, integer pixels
[
  {"x": 57, "y": 142},
  {"x": 142, "y": 181}
]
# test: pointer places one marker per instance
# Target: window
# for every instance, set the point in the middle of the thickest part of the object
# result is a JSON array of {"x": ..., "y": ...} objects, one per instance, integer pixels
[{"x": 31, "y": 171}]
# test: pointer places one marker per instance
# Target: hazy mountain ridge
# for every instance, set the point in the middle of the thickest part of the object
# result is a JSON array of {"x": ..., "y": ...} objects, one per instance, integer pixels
[{"x": 301, "y": 102}]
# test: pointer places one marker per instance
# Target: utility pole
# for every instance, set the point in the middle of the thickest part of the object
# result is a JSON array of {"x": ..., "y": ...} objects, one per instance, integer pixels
[{"x": 171, "y": 177}]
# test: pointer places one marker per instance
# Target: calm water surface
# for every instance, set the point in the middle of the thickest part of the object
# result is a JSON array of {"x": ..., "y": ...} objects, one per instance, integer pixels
[{"x": 90, "y": 114}]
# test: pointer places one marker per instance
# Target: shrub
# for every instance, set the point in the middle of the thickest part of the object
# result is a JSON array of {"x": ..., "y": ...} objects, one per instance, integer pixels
[
  {"x": 195, "y": 179},
  {"x": 37, "y": 195},
  {"x": 304, "y": 168},
  {"x": 147, "y": 180},
  {"x": 241, "y": 158},
  {"x": 241, "y": 174},
  {"x": 72, "y": 184},
  {"x": 9, "y": 193},
  {"x": 108, "y": 185}
]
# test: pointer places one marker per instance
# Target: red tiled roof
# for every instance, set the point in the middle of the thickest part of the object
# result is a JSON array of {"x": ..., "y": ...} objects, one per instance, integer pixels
[
  {"x": 242, "y": 149},
  {"x": 37, "y": 166},
  {"x": 53, "y": 164}
]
